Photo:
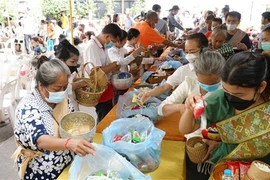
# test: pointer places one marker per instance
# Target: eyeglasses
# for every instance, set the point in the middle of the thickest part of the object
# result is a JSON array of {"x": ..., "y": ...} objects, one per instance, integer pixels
[{"x": 192, "y": 52}]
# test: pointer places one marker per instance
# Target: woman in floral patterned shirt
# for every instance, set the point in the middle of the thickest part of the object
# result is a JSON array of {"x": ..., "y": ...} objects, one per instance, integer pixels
[{"x": 41, "y": 154}]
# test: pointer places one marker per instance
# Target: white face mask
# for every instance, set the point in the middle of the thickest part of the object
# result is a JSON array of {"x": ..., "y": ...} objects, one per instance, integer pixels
[
  {"x": 191, "y": 58},
  {"x": 231, "y": 27}
]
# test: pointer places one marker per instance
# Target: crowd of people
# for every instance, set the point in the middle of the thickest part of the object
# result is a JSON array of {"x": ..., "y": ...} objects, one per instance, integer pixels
[{"x": 224, "y": 68}]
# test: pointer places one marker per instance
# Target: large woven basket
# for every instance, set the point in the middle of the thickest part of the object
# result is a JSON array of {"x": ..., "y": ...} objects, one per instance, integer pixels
[
  {"x": 101, "y": 76},
  {"x": 89, "y": 96},
  {"x": 196, "y": 154}
]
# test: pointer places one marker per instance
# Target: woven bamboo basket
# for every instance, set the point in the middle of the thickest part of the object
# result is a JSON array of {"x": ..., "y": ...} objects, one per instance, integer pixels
[
  {"x": 256, "y": 173},
  {"x": 101, "y": 76},
  {"x": 196, "y": 153},
  {"x": 89, "y": 96},
  {"x": 218, "y": 171}
]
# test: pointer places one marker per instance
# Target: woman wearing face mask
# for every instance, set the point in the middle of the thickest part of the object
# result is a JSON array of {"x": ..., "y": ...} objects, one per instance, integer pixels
[
  {"x": 41, "y": 153},
  {"x": 236, "y": 37},
  {"x": 265, "y": 36},
  {"x": 218, "y": 38},
  {"x": 208, "y": 68},
  {"x": 240, "y": 111},
  {"x": 70, "y": 55},
  {"x": 193, "y": 47}
]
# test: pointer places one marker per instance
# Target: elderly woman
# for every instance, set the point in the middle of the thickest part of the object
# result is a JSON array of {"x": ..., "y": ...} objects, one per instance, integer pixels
[
  {"x": 208, "y": 69},
  {"x": 41, "y": 153},
  {"x": 218, "y": 38}
]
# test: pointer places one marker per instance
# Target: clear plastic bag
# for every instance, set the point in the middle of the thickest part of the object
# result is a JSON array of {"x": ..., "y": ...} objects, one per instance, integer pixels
[
  {"x": 125, "y": 107},
  {"x": 144, "y": 155},
  {"x": 105, "y": 165}
]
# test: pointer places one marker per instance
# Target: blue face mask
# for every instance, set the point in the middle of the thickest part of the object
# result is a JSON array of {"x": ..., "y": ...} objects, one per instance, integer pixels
[
  {"x": 56, "y": 97},
  {"x": 109, "y": 45},
  {"x": 266, "y": 46},
  {"x": 209, "y": 88}
]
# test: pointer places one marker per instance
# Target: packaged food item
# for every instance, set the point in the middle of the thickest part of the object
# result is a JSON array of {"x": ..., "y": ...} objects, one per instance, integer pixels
[
  {"x": 235, "y": 167},
  {"x": 199, "y": 108},
  {"x": 117, "y": 138},
  {"x": 136, "y": 99},
  {"x": 244, "y": 166}
]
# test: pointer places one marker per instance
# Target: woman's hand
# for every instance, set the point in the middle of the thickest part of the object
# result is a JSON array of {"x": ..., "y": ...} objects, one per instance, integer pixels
[
  {"x": 80, "y": 146},
  {"x": 241, "y": 46},
  {"x": 145, "y": 96},
  {"x": 191, "y": 101},
  {"x": 211, "y": 146},
  {"x": 82, "y": 83}
]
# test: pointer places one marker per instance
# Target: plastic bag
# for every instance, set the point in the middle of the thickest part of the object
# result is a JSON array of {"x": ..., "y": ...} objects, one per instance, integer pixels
[
  {"x": 144, "y": 155},
  {"x": 172, "y": 63},
  {"x": 125, "y": 107},
  {"x": 106, "y": 160}
]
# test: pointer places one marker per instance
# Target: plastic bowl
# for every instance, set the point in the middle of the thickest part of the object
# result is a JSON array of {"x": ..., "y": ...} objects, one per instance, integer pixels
[
  {"x": 122, "y": 81},
  {"x": 78, "y": 125}
]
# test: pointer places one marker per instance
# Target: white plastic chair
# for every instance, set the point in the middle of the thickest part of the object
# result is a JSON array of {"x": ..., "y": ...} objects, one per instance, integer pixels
[
  {"x": 25, "y": 83},
  {"x": 7, "y": 101},
  {"x": 8, "y": 48}
]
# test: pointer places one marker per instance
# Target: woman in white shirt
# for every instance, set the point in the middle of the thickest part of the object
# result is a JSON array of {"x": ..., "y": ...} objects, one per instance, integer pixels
[
  {"x": 133, "y": 36},
  {"x": 118, "y": 53},
  {"x": 207, "y": 68}
]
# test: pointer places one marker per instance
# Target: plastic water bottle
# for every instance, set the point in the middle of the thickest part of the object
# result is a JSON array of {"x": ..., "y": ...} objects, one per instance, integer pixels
[{"x": 227, "y": 175}]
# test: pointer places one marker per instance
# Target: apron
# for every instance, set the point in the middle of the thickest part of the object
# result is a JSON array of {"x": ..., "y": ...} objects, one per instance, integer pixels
[{"x": 59, "y": 112}]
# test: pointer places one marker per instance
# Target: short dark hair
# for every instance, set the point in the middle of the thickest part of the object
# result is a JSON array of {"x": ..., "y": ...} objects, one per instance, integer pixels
[
  {"x": 266, "y": 15},
  {"x": 82, "y": 25},
  {"x": 165, "y": 18},
  {"x": 112, "y": 29},
  {"x": 234, "y": 14},
  {"x": 76, "y": 40},
  {"x": 89, "y": 34},
  {"x": 210, "y": 17},
  {"x": 132, "y": 33},
  {"x": 200, "y": 38},
  {"x": 175, "y": 8},
  {"x": 115, "y": 16},
  {"x": 218, "y": 20},
  {"x": 156, "y": 7}
]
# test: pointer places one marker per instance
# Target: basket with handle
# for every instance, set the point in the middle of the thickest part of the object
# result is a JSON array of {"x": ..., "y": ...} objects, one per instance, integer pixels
[
  {"x": 102, "y": 79},
  {"x": 89, "y": 96},
  {"x": 196, "y": 149}
]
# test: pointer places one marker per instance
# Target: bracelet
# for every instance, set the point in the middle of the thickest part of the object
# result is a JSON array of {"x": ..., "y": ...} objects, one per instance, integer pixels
[{"x": 65, "y": 145}]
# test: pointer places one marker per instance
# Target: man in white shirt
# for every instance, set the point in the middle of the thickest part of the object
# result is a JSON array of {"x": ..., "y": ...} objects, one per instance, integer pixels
[
  {"x": 28, "y": 26},
  {"x": 96, "y": 53}
]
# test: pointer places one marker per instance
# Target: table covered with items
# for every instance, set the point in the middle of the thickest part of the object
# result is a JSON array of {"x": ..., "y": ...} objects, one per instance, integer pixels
[{"x": 148, "y": 146}]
